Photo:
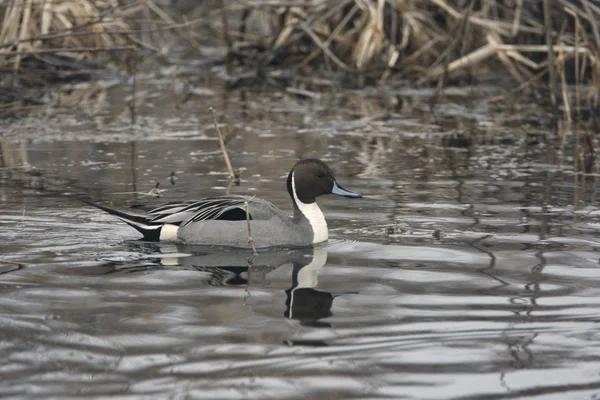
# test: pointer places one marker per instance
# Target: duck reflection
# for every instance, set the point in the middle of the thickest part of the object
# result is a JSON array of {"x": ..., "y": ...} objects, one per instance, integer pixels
[
  {"x": 238, "y": 267},
  {"x": 303, "y": 301}
]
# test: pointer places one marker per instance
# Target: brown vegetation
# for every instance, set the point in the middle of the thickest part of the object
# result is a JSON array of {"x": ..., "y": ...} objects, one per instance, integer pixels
[
  {"x": 428, "y": 40},
  {"x": 74, "y": 29},
  {"x": 368, "y": 41}
]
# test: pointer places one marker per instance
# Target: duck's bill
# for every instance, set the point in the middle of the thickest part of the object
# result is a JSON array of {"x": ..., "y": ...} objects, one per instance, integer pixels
[{"x": 340, "y": 191}]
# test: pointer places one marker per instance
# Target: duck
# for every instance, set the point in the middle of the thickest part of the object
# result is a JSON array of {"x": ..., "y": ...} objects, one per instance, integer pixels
[{"x": 223, "y": 220}]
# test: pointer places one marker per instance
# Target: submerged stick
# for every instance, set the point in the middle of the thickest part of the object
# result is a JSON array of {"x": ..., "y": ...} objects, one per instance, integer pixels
[
  {"x": 223, "y": 148},
  {"x": 156, "y": 190},
  {"x": 250, "y": 241},
  {"x": 228, "y": 187}
]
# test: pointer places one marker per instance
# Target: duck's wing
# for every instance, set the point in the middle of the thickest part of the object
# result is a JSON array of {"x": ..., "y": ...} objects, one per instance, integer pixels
[
  {"x": 171, "y": 213},
  {"x": 228, "y": 208}
]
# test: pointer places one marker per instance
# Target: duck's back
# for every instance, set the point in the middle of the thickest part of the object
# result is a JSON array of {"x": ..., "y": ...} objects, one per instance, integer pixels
[{"x": 269, "y": 225}]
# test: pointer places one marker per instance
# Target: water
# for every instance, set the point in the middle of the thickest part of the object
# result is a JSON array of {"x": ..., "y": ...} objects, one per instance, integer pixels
[{"x": 470, "y": 271}]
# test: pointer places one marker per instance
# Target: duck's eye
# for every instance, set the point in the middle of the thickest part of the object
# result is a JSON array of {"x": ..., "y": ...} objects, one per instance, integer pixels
[{"x": 320, "y": 175}]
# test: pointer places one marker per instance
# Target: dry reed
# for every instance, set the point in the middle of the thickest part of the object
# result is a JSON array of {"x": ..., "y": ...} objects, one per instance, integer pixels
[
  {"x": 70, "y": 28},
  {"x": 550, "y": 43},
  {"x": 425, "y": 40}
]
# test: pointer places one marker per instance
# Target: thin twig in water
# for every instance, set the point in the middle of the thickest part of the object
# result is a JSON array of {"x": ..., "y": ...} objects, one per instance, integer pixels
[
  {"x": 250, "y": 241},
  {"x": 223, "y": 148},
  {"x": 228, "y": 187},
  {"x": 155, "y": 191},
  {"x": 249, "y": 280}
]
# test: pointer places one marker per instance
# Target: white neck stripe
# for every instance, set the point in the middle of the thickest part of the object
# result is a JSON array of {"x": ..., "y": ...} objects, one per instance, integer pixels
[
  {"x": 313, "y": 213},
  {"x": 308, "y": 275}
]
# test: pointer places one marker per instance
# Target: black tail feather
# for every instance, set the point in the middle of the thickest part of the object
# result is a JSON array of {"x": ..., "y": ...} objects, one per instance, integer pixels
[{"x": 142, "y": 224}]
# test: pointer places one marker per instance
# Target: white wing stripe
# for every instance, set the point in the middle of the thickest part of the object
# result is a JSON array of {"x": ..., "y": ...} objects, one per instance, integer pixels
[{"x": 188, "y": 212}]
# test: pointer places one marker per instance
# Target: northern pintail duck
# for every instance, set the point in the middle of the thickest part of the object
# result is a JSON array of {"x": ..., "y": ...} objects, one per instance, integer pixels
[{"x": 221, "y": 221}]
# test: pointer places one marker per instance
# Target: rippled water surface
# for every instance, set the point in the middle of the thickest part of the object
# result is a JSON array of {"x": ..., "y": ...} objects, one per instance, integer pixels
[{"x": 470, "y": 271}]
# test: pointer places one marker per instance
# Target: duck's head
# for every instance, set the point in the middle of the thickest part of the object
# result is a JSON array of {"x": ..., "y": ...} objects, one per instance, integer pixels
[{"x": 311, "y": 178}]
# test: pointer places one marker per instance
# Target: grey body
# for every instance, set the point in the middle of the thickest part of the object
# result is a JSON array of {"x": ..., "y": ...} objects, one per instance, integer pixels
[
  {"x": 270, "y": 227},
  {"x": 221, "y": 221}
]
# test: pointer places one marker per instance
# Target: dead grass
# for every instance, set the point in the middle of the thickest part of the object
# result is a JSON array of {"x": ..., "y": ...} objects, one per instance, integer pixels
[
  {"x": 551, "y": 44},
  {"x": 72, "y": 28},
  {"x": 426, "y": 40}
]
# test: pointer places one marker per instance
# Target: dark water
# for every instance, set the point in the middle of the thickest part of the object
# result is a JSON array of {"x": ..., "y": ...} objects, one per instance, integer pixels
[{"x": 470, "y": 273}]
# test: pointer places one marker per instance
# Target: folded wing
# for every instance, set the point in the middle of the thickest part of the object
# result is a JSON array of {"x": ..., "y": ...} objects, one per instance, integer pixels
[{"x": 226, "y": 208}]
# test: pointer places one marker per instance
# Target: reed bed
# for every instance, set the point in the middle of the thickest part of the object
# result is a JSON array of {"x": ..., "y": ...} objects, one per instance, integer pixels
[
  {"x": 71, "y": 28},
  {"x": 48, "y": 41},
  {"x": 420, "y": 39},
  {"x": 542, "y": 43},
  {"x": 537, "y": 43}
]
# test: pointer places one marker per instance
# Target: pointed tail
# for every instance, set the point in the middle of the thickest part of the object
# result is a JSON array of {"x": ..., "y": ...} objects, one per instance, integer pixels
[{"x": 142, "y": 224}]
